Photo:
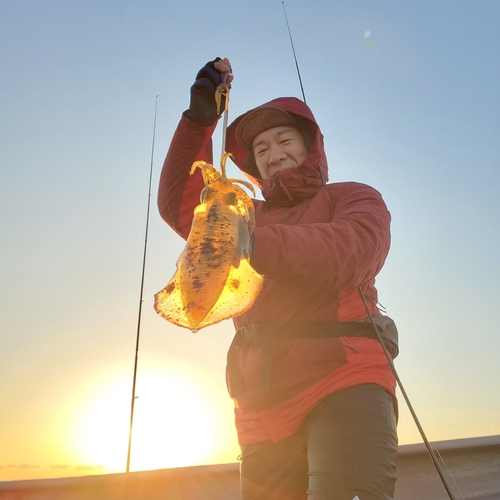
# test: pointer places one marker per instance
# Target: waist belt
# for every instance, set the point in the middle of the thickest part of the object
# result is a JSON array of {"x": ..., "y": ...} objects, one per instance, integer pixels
[{"x": 268, "y": 335}]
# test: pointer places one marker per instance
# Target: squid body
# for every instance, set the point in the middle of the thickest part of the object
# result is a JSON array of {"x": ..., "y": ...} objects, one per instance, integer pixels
[{"x": 214, "y": 280}]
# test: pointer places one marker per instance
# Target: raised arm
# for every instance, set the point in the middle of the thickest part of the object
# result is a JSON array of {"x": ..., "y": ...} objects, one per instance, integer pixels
[{"x": 179, "y": 192}]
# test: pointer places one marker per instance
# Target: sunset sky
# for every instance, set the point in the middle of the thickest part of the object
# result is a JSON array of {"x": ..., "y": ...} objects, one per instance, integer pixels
[{"x": 406, "y": 94}]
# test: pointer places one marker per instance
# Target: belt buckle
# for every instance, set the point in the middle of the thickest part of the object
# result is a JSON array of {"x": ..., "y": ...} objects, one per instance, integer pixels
[{"x": 251, "y": 334}]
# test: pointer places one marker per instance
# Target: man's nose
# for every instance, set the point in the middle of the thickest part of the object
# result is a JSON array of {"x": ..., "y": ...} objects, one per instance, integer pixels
[{"x": 276, "y": 155}]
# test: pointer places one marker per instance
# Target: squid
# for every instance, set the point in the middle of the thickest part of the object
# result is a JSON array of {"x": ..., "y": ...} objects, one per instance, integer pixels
[{"x": 214, "y": 279}]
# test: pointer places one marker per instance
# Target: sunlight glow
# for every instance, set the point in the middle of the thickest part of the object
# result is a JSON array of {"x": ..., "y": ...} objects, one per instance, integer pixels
[{"x": 173, "y": 423}]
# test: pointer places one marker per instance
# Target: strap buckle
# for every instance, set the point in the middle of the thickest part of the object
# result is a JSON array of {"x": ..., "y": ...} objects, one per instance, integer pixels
[{"x": 251, "y": 334}]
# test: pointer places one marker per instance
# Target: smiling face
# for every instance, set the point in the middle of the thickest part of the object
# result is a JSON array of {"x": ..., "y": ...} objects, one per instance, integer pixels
[{"x": 278, "y": 149}]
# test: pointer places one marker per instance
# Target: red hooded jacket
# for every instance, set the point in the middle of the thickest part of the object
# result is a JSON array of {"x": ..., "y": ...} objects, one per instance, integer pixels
[{"x": 315, "y": 244}]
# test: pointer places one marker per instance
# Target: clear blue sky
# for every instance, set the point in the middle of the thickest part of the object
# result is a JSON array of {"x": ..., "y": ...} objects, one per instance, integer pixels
[{"x": 406, "y": 94}]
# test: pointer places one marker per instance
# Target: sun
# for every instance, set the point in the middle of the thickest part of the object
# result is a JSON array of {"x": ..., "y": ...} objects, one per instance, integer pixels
[{"x": 173, "y": 424}]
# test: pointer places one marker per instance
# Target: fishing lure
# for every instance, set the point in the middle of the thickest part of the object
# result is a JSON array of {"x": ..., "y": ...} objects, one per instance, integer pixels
[{"x": 214, "y": 280}]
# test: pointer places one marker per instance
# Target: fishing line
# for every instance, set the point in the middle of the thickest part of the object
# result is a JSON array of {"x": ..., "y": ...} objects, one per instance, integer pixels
[
  {"x": 294, "y": 56},
  {"x": 132, "y": 404}
]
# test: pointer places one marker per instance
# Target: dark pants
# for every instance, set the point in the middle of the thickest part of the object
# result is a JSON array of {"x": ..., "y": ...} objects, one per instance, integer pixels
[{"x": 346, "y": 447}]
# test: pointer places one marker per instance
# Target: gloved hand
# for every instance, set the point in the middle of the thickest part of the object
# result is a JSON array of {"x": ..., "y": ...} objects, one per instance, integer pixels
[{"x": 202, "y": 108}]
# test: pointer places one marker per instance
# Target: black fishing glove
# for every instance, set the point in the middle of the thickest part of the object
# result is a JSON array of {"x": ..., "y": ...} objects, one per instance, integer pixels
[{"x": 202, "y": 108}]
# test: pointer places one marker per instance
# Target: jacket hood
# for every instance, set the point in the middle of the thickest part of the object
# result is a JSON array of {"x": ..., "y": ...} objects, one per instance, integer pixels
[{"x": 291, "y": 186}]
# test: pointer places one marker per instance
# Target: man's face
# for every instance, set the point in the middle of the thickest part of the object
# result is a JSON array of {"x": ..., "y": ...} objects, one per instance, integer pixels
[{"x": 278, "y": 149}]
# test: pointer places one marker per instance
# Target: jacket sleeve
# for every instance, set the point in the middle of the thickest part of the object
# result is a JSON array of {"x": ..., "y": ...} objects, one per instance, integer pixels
[
  {"x": 343, "y": 253},
  {"x": 178, "y": 191}
]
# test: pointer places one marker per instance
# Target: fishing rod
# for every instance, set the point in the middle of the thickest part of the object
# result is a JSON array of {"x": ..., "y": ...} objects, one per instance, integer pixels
[
  {"x": 132, "y": 404},
  {"x": 294, "y": 56},
  {"x": 431, "y": 452}
]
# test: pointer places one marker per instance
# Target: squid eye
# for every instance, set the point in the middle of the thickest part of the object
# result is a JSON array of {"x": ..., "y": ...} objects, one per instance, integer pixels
[
  {"x": 207, "y": 194},
  {"x": 230, "y": 198}
]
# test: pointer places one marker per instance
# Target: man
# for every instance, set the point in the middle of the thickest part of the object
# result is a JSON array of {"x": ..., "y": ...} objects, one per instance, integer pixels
[{"x": 314, "y": 393}]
